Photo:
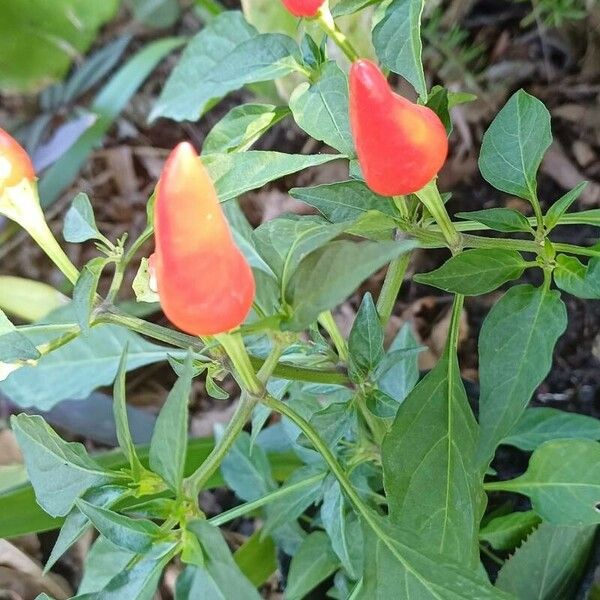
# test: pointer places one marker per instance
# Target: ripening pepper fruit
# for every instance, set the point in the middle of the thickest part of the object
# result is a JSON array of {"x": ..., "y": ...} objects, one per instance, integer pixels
[
  {"x": 401, "y": 146},
  {"x": 204, "y": 282},
  {"x": 19, "y": 201},
  {"x": 15, "y": 164},
  {"x": 303, "y": 8}
]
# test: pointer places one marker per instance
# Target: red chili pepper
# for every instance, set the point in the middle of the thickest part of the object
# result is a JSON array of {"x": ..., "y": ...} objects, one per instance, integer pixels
[
  {"x": 303, "y": 8},
  {"x": 401, "y": 146},
  {"x": 204, "y": 282},
  {"x": 15, "y": 164}
]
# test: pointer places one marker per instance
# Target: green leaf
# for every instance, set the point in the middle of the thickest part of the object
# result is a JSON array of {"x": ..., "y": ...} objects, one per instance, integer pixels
[
  {"x": 438, "y": 102},
  {"x": 365, "y": 342},
  {"x": 499, "y": 219},
  {"x": 14, "y": 346},
  {"x": 59, "y": 471},
  {"x": 381, "y": 404},
  {"x": 393, "y": 563},
  {"x": 103, "y": 560},
  {"x": 349, "y": 7},
  {"x": 139, "y": 581},
  {"x": 12, "y": 476},
  {"x": 584, "y": 217},
  {"x": 343, "y": 529},
  {"x": 39, "y": 40},
  {"x": 246, "y": 470},
  {"x": 242, "y": 126},
  {"x": 227, "y": 54},
  {"x": 76, "y": 523},
  {"x": 333, "y": 422},
  {"x": 236, "y": 173},
  {"x": 156, "y": 13},
  {"x": 294, "y": 504},
  {"x": 515, "y": 354},
  {"x": 314, "y": 562},
  {"x": 84, "y": 292},
  {"x": 476, "y": 271},
  {"x": 432, "y": 485},
  {"x": 508, "y": 531},
  {"x": 398, "y": 373},
  {"x": 283, "y": 242},
  {"x": 169, "y": 438},
  {"x": 547, "y": 566},
  {"x": 137, "y": 535},
  {"x": 93, "y": 361},
  {"x": 539, "y": 425},
  {"x": 562, "y": 481},
  {"x": 122, "y": 422},
  {"x": 28, "y": 299},
  {"x": 397, "y": 41},
  {"x": 576, "y": 278},
  {"x": 562, "y": 205},
  {"x": 343, "y": 201},
  {"x": 321, "y": 109},
  {"x": 20, "y": 513},
  {"x": 373, "y": 225},
  {"x": 80, "y": 224},
  {"x": 220, "y": 578},
  {"x": 514, "y": 145},
  {"x": 323, "y": 280},
  {"x": 141, "y": 284},
  {"x": 107, "y": 105},
  {"x": 257, "y": 558}
]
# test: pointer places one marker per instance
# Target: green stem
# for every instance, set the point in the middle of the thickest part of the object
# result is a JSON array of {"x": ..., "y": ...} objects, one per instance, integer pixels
[
  {"x": 328, "y": 322},
  {"x": 498, "y": 486},
  {"x": 377, "y": 427},
  {"x": 253, "y": 386},
  {"x": 491, "y": 555},
  {"x": 248, "y": 507},
  {"x": 433, "y": 239},
  {"x": 56, "y": 343},
  {"x": 197, "y": 480},
  {"x": 572, "y": 249},
  {"x": 233, "y": 343},
  {"x": 112, "y": 315},
  {"x": 431, "y": 198},
  {"x": 454, "y": 330},
  {"x": 391, "y": 287},
  {"x": 539, "y": 218},
  {"x": 117, "y": 281},
  {"x": 325, "y": 20},
  {"x": 132, "y": 251},
  {"x": 47, "y": 242},
  {"x": 311, "y": 433}
]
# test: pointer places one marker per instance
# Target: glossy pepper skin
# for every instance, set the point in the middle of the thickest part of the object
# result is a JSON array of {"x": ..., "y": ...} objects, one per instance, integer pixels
[
  {"x": 15, "y": 164},
  {"x": 401, "y": 146},
  {"x": 303, "y": 8},
  {"x": 204, "y": 282}
]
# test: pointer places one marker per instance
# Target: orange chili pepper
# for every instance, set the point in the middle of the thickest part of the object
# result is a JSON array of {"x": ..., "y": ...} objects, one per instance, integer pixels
[
  {"x": 204, "y": 282},
  {"x": 401, "y": 146},
  {"x": 303, "y": 8},
  {"x": 15, "y": 164}
]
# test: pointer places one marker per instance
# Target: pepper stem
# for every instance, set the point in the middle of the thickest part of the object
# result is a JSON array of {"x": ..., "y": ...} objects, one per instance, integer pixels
[
  {"x": 21, "y": 204},
  {"x": 253, "y": 390},
  {"x": 325, "y": 19},
  {"x": 431, "y": 198}
]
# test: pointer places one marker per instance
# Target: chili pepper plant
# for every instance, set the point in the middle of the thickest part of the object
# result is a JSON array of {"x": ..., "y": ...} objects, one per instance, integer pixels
[{"x": 376, "y": 480}]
